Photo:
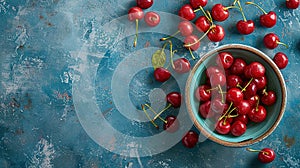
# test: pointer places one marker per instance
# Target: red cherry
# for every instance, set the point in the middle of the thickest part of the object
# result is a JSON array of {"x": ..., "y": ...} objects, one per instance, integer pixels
[
  {"x": 243, "y": 107},
  {"x": 260, "y": 82},
  {"x": 250, "y": 91},
  {"x": 234, "y": 95},
  {"x": 266, "y": 155},
  {"x": 172, "y": 124},
  {"x": 190, "y": 139},
  {"x": 257, "y": 70},
  {"x": 218, "y": 79},
  {"x": 223, "y": 127},
  {"x": 161, "y": 74},
  {"x": 135, "y": 13},
  {"x": 202, "y": 93},
  {"x": 202, "y": 24},
  {"x": 218, "y": 106},
  {"x": 245, "y": 27},
  {"x": 152, "y": 19},
  {"x": 292, "y": 4},
  {"x": 185, "y": 28},
  {"x": 204, "y": 110},
  {"x": 242, "y": 118},
  {"x": 271, "y": 41},
  {"x": 253, "y": 101},
  {"x": 268, "y": 19},
  {"x": 174, "y": 98},
  {"x": 247, "y": 72},
  {"x": 238, "y": 66},
  {"x": 269, "y": 98},
  {"x": 238, "y": 128},
  {"x": 224, "y": 59},
  {"x": 216, "y": 34},
  {"x": 191, "y": 39},
  {"x": 187, "y": 12},
  {"x": 182, "y": 65},
  {"x": 233, "y": 81},
  {"x": 281, "y": 60},
  {"x": 257, "y": 114},
  {"x": 144, "y": 4},
  {"x": 211, "y": 70},
  {"x": 219, "y": 12},
  {"x": 197, "y": 3}
]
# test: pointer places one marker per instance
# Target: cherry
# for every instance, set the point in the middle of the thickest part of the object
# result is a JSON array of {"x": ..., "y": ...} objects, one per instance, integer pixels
[
  {"x": 238, "y": 128},
  {"x": 250, "y": 90},
  {"x": 152, "y": 19},
  {"x": 190, "y": 139},
  {"x": 161, "y": 74},
  {"x": 202, "y": 24},
  {"x": 238, "y": 66},
  {"x": 281, "y": 60},
  {"x": 292, "y": 4},
  {"x": 268, "y": 98},
  {"x": 223, "y": 127},
  {"x": 234, "y": 95},
  {"x": 219, "y": 12},
  {"x": 271, "y": 41},
  {"x": 253, "y": 101},
  {"x": 172, "y": 124},
  {"x": 224, "y": 59},
  {"x": 191, "y": 39},
  {"x": 181, "y": 65},
  {"x": 243, "y": 118},
  {"x": 266, "y": 155},
  {"x": 243, "y": 107},
  {"x": 174, "y": 98},
  {"x": 233, "y": 81},
  {"x": 257, "y": 70},
  {"x": 266, "y": 19},
  {"x": 197, "y": 3},
  {"x": 218, "y": 106},
  {"x": 260, "y": 82},
  {"x": 203, "y": 93},
  {"x": 144, "y": 4},
  {"x": 218, "y": 79},
  {"x": 247, "y": 72},
  {"x": 216, "y": 33},
  {"x": 211, "y": 70},
  {"x": 185, "y": 28},
  {"x": 245, "y": 26},
  {"x": 187, "y": 12},
  {"x": 257, "y": 114},
  {"x": 135, "y": 14},
  {"x": 204, "y": 110}
]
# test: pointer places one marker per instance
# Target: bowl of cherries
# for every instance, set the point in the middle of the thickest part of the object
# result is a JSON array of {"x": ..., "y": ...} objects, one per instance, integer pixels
[{"x": 236, "y": 95}]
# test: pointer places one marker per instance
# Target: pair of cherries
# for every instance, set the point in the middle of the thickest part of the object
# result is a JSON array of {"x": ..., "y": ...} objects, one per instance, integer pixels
[
  {"x": 136, "y": 13},
  {"x": 234, "y": 93}
]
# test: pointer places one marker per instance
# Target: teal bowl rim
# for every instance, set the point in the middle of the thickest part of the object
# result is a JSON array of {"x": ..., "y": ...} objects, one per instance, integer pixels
[{"x": 193, "y": 114}]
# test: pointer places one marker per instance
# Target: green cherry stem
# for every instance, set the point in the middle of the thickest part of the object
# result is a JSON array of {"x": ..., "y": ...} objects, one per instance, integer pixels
[
  {"x": 227, "y": 111},
  {"x": 244, "y": 89},
  {"x": 205, "y": 14},
  {"x": 155, "y": 113},
  {"x": 171, "y": 36},
  {"x": 147, "y": 115},
  {"x": 254, "y": 150},
  {"x": 260, "y": 8},
  {"x": 222, "y": 95},
  {"x": 191, "y": 44},
  {"x": 281, "y": 43},
  {"x": 136, "y": 32},
  {"x": 209, "y": 17},
  {"x": 171, "y": 53},
  {"x": 242, "y": 11}
]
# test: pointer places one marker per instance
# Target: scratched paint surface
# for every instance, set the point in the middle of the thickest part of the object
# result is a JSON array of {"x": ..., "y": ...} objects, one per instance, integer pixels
[{"x": 41, "y": 44}]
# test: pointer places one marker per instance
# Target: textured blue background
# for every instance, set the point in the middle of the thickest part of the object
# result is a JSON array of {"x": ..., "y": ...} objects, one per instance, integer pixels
[{"x": 40, "y": 41}]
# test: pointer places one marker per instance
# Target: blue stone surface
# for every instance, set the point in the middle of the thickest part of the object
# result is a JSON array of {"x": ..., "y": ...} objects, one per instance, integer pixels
[{"x": 48, "y": 47}]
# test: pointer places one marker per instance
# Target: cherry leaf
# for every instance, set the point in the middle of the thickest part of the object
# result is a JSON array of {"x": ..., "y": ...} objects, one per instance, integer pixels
[{"x": 158, "y": 58}]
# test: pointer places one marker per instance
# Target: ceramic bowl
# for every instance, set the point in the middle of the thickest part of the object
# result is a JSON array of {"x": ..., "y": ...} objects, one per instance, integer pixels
[{"x": 255, "y": 131}]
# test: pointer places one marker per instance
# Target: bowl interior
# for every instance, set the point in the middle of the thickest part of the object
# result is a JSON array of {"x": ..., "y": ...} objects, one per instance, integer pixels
[{"x": 255, "y": 131}]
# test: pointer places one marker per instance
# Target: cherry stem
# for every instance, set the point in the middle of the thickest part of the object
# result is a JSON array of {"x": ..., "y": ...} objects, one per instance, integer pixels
[
  {"x": 208, "y": 90},
  {"x": 147, "y": 115},
  {"x": 136, "y": 32},
  {"x": 231, "y": 7},
  {"x": 232, "y": 116},
  {"x": 257, "y": 103},
  {"x": 191, "y": 52},
  {"x": 235, "y": 1},
  {"x": 171, "y": 36},
  {"x": 157, "y": 115},
  {"x": 221, "y": 91},
  {"x": 254, "y": 150},
  {"x": 205, "y": 13},
  {"x": 226, "y": 111},
  {"x": 210, "y": 17},
  {"x": 171, "y": 53},
  {"x": 189, "y": 45},
  {"x": 281, "y": 43},
  {"x": 154, "y": 112},
  {"x": 242, "y": 11},
  {"x": 244, "y": 89},
  {"x": 260, "y": 8}
]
